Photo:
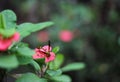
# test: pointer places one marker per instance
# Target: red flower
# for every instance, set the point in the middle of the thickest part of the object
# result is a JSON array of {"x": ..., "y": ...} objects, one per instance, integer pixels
[
  {"x": 6, "y": 42},
  {"x": 44, "y": 52},
  {"x": 66, "y": 35}
]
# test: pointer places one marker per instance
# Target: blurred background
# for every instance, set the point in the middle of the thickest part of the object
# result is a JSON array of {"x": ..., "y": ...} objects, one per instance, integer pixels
[{"x": 86, "y": 31}]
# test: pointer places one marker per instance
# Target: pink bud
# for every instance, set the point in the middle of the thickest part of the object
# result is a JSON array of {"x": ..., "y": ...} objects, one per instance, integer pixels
[
  {"x": 66, "y": 35},
  {"x": 6, "y": 42}
]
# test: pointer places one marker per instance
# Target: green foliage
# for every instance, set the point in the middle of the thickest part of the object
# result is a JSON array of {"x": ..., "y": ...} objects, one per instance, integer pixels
[
  {"x": 53, "y": 73},
  {"x": 25, "y": 51},
  {"x": 1, "y": 21},
  {"x": 27, "y": 28},
  {"x": 23, "y": 60},
  {"x": 7, "y": 32},
  {"x": 61, "y": 78},
  {"x": 9, "y": 19},
  {"x": 56, "y": 49},
  {"x": 30, "y": 77},
  {"x": 57, "y": 62},
  {"x": 81, "y": 16},
  {"x": 8, "y": 62},
  {"x": 22, "y": 44},
  {"x": 35, "y": 65},
  {"x": 73, "y": 66},
  {"x": 7, "y": 23},
  {"x": 23, "y": 54}
]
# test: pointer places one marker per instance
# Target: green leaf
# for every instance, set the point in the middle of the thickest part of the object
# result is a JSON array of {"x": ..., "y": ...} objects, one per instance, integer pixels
[
  {"x": 8, "y": 62},
  {"x": 25, "y": 51},
  {"x": 56, "y": 49},
  {"x": 26, "y": 28},
  {"x": 73, "y": 66},
  {"x": 7, "y": 32},
  {"x": 54, "y": 72},
  {"x": 7, "y": 23},
  {"x": 57, "y": 62},
  {"x": 24, "y": 60},
  {"x": 62, "y": 78},
  {"x": 1, "y": 21},
  {"x": 22, "y": 44},
  {"x": 9, "y": 19},
  {"x": 35, "y": 65},
  {"x": 30, "y": 77}
]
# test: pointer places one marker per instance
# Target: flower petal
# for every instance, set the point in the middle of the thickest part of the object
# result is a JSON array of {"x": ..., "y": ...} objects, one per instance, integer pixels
[
  {"x": 37, "y": 50},
  {"x": 46, "y": 48},
  {"x": 16, "y": 36},
  {"x": 4, "y": 44},
  {"x": 38, "y": 55},
  {"x": 50, "y": 58}
]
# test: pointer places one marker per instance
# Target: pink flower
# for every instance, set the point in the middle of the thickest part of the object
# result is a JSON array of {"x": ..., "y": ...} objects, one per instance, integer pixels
[
  {"x": 43, "y": 36},
  {"x": 44, "y": 52},
  {"x": 6, "y": 42},
  {"x": 66, "y": 35}
]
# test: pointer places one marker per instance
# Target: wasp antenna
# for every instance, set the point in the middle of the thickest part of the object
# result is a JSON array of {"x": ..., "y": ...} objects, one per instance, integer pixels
[{"x": 49, "y": 45}]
